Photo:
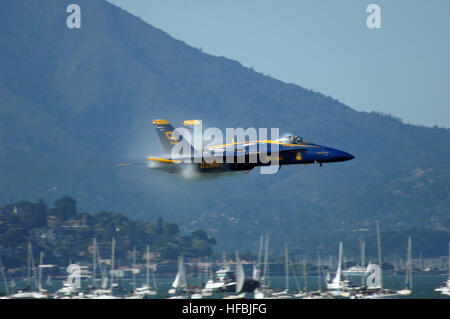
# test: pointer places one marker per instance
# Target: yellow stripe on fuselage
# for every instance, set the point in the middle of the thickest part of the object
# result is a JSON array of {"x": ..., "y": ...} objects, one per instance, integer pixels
[{"x": 266, "y": 141}]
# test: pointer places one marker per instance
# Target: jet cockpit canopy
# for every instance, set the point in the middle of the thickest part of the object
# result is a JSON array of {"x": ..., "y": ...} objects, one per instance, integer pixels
[{"x": 293, "y": 139}]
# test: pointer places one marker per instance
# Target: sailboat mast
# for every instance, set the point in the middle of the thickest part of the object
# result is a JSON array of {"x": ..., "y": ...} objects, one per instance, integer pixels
[
  {"x": 94, "y": 266},
  {"x": 363, "y": 261},
  {"x": 5, "y": 280},
  {"x": 449, "y": 260},
  {"x": 32, "y": 265},
  {"x": 134, "y": 268},
  {"x": 257, "y": 266},
  {"x": 379, "y": 254},
  {"x": 318, "y": 271},
  {"x": 261, "y": 240},
  {"x": 304, "y": 274},
  {"x": 206, "y": 268},
  {"x": 147, "y": 266},
  {"x": 41, "y": 258},
  {"x": 29, "y": 266},
  {"x": 408, "y": 265},
  {"x": 410, "y": 261},
  {"x": 112, "y": 260},
  {"x": 286, "y": 270},
  {"x": 266, "y": 256}
]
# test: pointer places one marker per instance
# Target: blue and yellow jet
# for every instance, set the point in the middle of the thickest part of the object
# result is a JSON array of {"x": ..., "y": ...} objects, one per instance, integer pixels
[{"x": 291, "y": 150}]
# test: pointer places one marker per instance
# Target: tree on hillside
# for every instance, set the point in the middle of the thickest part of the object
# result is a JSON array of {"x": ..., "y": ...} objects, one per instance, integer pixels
[{"x": 65, "y": 208}]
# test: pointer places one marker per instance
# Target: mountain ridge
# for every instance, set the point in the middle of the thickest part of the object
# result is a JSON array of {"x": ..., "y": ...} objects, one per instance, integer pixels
[{"x": 76, "y": 102}]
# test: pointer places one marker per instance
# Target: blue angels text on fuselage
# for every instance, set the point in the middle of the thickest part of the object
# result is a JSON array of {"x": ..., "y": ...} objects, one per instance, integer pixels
[{"x": 289, "y": 150}]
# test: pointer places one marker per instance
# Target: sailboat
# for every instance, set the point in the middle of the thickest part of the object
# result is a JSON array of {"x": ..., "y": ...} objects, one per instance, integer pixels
[
  {"x": 104, "y": 293},
  {"x": 284, "y": 294},
  {"x": 337, "y": 286},
  {"x": 179, "y": 284},
  {"x": 263, "y": 291},
  {"x": 134, "y": 270},
  {"x": 207, "y": 292},
  {"x": 240, "y": 278},
  {"x": 31, "y": 294},
  {"x": 197, "y": 292},
  {"x": 445, "y": 290},
  {"x": 318, "y": 294},
  {"x": 257, "y": 267},
  {"x": 146, "y": 290},
  {"x": 304, "y": 292},
  {"x": 408, "y": 276},
  {"x": 5, "y": 280},
  {"x": 374, "y": 288}
]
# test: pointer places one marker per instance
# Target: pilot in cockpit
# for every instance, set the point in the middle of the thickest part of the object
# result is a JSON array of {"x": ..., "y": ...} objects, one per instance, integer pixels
[{"x": 296, "y": 139}]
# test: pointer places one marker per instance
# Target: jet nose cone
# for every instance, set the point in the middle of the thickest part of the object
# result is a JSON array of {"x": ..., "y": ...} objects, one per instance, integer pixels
[
  {"x": 333, "y": 155},
  {"x": 341, "y": 156},
  {"x": 346, "y": 156}
]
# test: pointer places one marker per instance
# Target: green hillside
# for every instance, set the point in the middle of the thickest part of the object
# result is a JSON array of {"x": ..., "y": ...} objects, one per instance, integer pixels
[{"x": 64, "y": 234}]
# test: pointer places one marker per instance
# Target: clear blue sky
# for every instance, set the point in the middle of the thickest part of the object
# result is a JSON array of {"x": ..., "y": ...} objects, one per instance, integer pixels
[{"x": 324, "y": 45}]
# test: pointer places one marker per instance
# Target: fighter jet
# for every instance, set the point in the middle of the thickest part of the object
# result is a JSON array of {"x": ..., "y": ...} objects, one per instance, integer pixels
[{"x": 237, "y": 156}]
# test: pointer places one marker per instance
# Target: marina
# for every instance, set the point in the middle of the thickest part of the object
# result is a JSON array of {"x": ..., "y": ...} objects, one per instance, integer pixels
[
  {"x": 225, "y": 280},
  {"x": 424, "y": 287}
]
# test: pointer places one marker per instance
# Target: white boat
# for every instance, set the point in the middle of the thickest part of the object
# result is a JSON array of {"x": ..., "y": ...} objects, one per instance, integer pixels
[
  {"x": 104, "y": 293},
  {"x": 179, "y": 284},
  {"x": 240, "y": 278},
  {"x": 146, "y": 290},
  {"x": 197, "y": 295},
  {"x": 29, "y": 295},
  {"x": 406, "y": 291},
  {"x": 68, "y": 289},
  {"x": 40, "y": 293},
  {"x": 284, "y": 294},
  {"x": 356, "y": 270},
  {"x": 238, "y": 296},
  {"x": 374, "y": 281},
  {"x": 264, "y": 291},
  {"x": 318, "y": 294},
  {"x": 445, "y": 290},
  {"x": 177, "y": 297},
  {"x": 224, "y": 280},
  {"x": 261, "y": 293},
  {"x": 374, "y": 294},
  {"x": 303, "y": 293},
  {"x": 337, "y": 286}
]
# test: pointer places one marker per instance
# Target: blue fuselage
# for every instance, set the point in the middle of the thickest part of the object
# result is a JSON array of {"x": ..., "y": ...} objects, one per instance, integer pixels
[{"x": 248, "y": 155}]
